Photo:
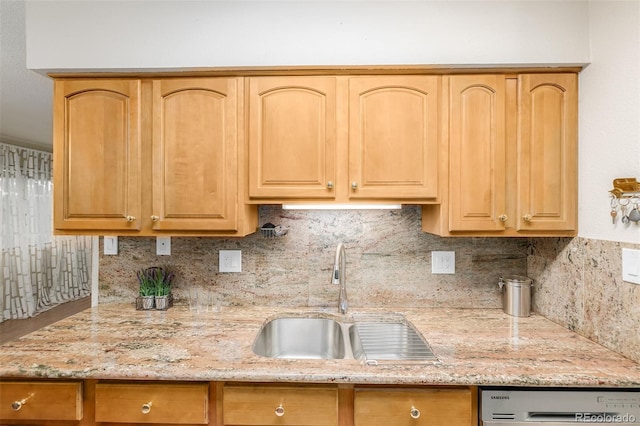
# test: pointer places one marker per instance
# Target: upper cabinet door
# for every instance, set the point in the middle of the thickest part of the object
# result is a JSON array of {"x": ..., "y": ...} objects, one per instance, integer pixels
[
  {"x": 547, "y": 152},
  {"x": 477, "y": 153},
  {"x": 292, "y": 137},
  {"x": 393, "y": 137},
  {"x": 97, "y": 155},
  {"x": 195, "y": 172}
]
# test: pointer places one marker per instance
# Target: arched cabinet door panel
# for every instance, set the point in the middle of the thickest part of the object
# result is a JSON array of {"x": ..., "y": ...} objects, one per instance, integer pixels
[
  {"x": 393, "y": 137},
  {"x": 292, "y": 137},
  {"x": 97, "y": 155},
  {"x": 195, "y": 154},
  {"x": 547, "y": 152},
  {"x": 477, "y": 153}
]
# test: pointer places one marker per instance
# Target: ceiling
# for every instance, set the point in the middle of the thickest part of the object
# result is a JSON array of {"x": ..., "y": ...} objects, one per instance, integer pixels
[{"x": 25, "y": 96}]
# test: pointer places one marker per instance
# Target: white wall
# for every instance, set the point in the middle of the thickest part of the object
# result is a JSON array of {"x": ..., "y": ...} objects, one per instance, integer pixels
[
  {"x": 190, "y": 34},
  {"x": 123, "y": 35},
  {"x": 609, "y": 116}
]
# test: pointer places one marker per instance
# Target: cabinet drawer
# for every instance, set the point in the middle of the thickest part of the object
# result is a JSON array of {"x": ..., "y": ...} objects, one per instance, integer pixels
[
  {"x": 413, "y": 407},
  {"x": 40, "y": 401},
  {"x": 152, "y": 403},
  {"x": 286, "y": 405}
]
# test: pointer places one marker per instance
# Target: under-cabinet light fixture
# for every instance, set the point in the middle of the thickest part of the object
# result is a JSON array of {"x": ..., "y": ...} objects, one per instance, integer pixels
[{"x": 342, "y": 206}]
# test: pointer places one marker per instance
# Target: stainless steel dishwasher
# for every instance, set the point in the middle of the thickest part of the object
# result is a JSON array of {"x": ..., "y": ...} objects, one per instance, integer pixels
[{"x": 559, "y": 407}]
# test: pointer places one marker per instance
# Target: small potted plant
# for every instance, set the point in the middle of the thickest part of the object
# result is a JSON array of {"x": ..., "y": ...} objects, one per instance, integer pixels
[
  {"x": 147, "y": 288},
  {"x": 163, "y": 278},
  {"x": 155, "y": 288}
]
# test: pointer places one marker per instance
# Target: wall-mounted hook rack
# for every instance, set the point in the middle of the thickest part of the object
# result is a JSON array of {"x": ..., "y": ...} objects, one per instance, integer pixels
[
  {"x": 625, "y": 188},
  {"x": 625, "y": 197}
]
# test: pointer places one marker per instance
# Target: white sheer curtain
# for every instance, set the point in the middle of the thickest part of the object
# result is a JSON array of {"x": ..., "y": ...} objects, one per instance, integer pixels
[{"x": 37, "y": 270}]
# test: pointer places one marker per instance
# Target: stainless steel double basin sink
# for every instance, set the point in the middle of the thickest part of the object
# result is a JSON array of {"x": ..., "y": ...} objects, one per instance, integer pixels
[{"x": 367, "y": 338}]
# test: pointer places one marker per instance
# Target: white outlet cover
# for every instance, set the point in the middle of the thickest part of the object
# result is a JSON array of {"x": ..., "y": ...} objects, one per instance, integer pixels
[
  {"x": 443, "y": 262},
  {"x": 631, "y": 265},
  {"x": 110, "y": 246},
  {"x": 163, "y": 246},
  {"x": 230, "y": 261}
]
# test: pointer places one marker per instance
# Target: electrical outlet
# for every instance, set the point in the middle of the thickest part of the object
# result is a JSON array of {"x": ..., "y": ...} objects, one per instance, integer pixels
[
  {"x": 110, "y": 246},
  {"x": 631, "y": 265},
  {"x": 163, "y": 246},
  {"x": 443, "y": 262},
  {"x": 230, "y": 261}
]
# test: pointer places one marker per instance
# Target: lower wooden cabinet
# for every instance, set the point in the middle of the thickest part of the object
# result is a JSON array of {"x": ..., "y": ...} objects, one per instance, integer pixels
[
  {"x": 39, "y": 400},
  {"x": 152, "y": 403},
  {"x": 414, "y": 407},
  {"x": 102, "y": 403},
  {"x": 280, "y": 405}
]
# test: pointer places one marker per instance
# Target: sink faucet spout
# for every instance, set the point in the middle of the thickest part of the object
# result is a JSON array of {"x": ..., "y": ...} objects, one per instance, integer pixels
[{"x": 340, "y": 277}]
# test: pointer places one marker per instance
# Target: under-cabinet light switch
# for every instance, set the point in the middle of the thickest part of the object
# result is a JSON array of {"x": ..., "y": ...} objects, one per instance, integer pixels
[
  {"x": 230, "y": 261},
  {"x": 631, "y": 265},
  {"x": 163, "y": 246},
  {"x": 110, "y": 246},
  {"x": 443, "y": 262}
]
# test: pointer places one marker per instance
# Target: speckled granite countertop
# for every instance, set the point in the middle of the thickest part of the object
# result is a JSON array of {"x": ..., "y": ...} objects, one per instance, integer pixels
[{"x": 474, "y": 347}]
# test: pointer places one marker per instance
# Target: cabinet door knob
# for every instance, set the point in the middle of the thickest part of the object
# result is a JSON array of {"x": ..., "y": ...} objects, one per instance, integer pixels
[
  {"x": 330, "y": 184},
  {"x": 17, "y": 405},
  {"x": 502, "y": 218},
  {"x": 280, "y": 411},
  {"x": 415, "y": 413},
  {"x": 146, "y": 408},
  {"x": 155, "y": 218},
  {"x": 354, "y": 185},
  {"x": 527, "y": 218},
  {"x": 131, "y": 218}
]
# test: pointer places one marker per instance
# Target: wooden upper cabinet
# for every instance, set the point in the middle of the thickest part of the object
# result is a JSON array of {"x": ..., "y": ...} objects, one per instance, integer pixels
[
  {"x": 97, "y": 154},
  {"x": 547, "y": 152},
  {"x": 150, "y": 157},
  {"x": 195, "y": 154},
  {"x": 292, "y": 137},
  {"x": 477, "y": 153},
  {"x": 512, "y": 157},
  {"x": 393, "y": 137}
]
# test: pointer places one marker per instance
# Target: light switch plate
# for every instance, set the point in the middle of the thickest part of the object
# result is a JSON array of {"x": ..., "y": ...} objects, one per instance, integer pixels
[
  {"x": 230, "y": 261},
  {"x": 443, "y": 262},
  {"x": 631, "y": 265},
  {"x": 110, "y": 246},
  {"x": 163, "y": 246}
]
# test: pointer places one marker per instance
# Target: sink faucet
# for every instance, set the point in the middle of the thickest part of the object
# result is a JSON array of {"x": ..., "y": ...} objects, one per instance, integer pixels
[{"x": 340, "y": 277}]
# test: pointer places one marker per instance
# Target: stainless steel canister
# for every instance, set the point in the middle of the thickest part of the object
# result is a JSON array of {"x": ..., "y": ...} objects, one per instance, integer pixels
[{"x": 516, "y": 295}]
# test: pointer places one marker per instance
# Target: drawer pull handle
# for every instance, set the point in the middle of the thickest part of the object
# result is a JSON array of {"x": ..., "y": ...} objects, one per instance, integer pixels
[
  {"x": 415, "y": 413},
  {"x": 17, "y": 405},
  {"x": 354, "y": 185},
  {"x": 131, "y": 218},
  {"x": 330, "y": 184},
  {"x": 280, "y": 411},
  {"x": 146, "y": 408},
  {"x": 527, "y": 218},
  {"x": 502, "y": 218},
  {"x": 155, "y": 218}
]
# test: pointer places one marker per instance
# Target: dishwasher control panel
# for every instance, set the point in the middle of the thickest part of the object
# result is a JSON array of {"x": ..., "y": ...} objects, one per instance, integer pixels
[{"x": 559, "y": 406}]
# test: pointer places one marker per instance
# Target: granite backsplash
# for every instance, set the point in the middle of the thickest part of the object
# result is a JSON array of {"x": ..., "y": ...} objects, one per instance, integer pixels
[
  {"x": 578, "y": 284},
  {"x": 388, "y": 263}
]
